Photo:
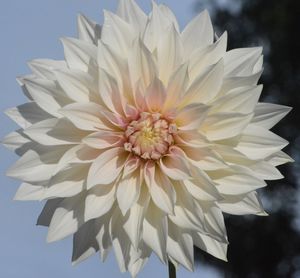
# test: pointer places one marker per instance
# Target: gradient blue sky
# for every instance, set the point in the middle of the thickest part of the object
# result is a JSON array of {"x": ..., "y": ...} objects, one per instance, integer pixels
[{"x": 31, "y": 29}]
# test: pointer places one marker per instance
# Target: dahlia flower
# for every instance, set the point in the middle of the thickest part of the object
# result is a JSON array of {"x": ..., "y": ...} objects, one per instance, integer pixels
[{"x": 143, "y": 136}]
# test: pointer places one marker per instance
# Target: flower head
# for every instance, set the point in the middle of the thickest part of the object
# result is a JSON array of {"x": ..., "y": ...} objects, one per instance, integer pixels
[{"x": 143, "y": 136}]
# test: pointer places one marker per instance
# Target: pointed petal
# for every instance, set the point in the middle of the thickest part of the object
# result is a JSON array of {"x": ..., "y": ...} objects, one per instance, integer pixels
[
  {"x": 267, "y": 114},
  {"x": 104, "y": 139},
  {"x": 198, "y": 33},
  {"x": 155, "y": 96},
  {"x": 107, "y": 167},
  {"x": 88, "y": 30},
  {"x": 29, "y": 192}
]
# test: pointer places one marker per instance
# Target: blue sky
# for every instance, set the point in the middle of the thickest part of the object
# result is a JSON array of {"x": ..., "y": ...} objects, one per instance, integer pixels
[{"x": 31, "y": 29}]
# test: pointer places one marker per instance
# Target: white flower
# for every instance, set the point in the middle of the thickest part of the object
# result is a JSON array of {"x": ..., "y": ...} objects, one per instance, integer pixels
[{"x": 143, "y": 136}]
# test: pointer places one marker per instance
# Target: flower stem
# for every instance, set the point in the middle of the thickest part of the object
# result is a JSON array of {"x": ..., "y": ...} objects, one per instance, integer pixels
[{"x": 172, "y": 270}]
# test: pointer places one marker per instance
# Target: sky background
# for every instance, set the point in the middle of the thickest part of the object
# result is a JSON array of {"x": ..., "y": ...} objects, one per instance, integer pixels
[{"x": 31, "y": 29}]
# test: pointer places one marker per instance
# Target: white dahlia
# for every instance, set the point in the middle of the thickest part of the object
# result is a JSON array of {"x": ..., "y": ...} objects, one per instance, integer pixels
[{"x": 143, "y": 136}]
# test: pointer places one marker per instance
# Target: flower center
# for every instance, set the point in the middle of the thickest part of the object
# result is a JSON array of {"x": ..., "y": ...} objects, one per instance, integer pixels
[{"x": 150, "y": 136}]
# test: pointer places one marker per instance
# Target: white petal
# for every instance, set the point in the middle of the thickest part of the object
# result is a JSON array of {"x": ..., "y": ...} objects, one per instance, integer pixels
[
  {"x": 169, "y": 54},
  {"x": 279, "y": 158},
  {"x": 258, "y": 143},
  {"x": 141, "y": 64},
  {"x": 117, "y": 33},
  {"x": 55, "y": 132},
  {"x": 46, "y": 215},
  {"x": 175, "y": 167},
  {"x": 86, "y": 116},
  {"x": 79, "y": 54},
  {"x": 128, "y": 190},
  {"x": 99, "y": 201},
  {"x": 27, "y": 114},
  {"x": 265, "y": 170},
  {"x": 160, "y": 188},
  {"x": 155, "y": 95},
  {"x": 104, "y": 139},
  {"x": 84, "y": 241},
  {"x": 31, "y": 168},
  {"x": 206, "y": 57},
  {"x": 241, "y": 61},
  {"x": 45, "y": 68},
  {"x": 133, "y": 14},
  {"x": 225, "y": 125},
  {"x": 88, "y": 30},
  {"x": 236, "y": 181},
  {"x": 29, "y": 192},
  {"x": 47, "y": 95},
  {"x": 155, "y": 231},
  {"x": 67, "y": 183},
  {"x": 267, "y": 114},
  {"x": 76, "y": 84},
  {"x": 242, "y": 100},
  {"x": 66, "y": 219},
  {"x": 198, "y": 33},
  {"x": 134, "y": 224},
  {"x": 249, "y": 204},
  {"x": 191, "y": 116},
  {"x": 180, "y": 246},
  {"x": 15, "y": 141},
  {"x": 169, "y": 16},
  {"x": 202, "y": 187},
  {"x": 206, "y": 86},
  {"x": 211, "y": 246},
  {"x": 107, "y": 167}
]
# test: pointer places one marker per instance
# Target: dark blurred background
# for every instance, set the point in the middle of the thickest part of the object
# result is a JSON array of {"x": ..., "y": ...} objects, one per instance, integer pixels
[{"x": 267, "y": 246}]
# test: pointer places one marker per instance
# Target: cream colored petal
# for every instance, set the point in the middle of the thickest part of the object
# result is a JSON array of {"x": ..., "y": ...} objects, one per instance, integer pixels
[
  {"x": 29, "y": 192},
  {"x": 107, "y": 167},
  {"x": 210, "y": 55},
  {"x": 211, "y": 246},
  {"x": 45, "y": 68},
  {"x": 31, "y": 168},
  {"x": 66, "y": 219},
  {"x": 129, "y": 11},
  {"x": 99, "y": 200},
  {"x": 267, "y": 114},
  {"x": 117, "y": 33},
  {"x": 169, "y": 16},
  {"x": 241, "y": 61},
  {"x": 88, "y": 30},
  {"x": 86, "y": 116},
  {"x": 259, "y": 143},
  {"x": 27, "y": 114},
  {"x": 180, "y": 246},
  {"x": 236, "y": 181},
  {"x": 155, "y": 96},
  {"x": 206, "y": 86},
  {"x": 47, "y": 95},
  {"x": 169, "y": 54},
  {"x": 175, "y": 167},
  {"x": 241, "y": 100},
  {"x": 104, "y": 139},
  {"x": 15, "y": 141},
  {"x": 76, "y": 84},
  {"x": 225, "y": 125},
  {"x": 241, "y": 205},
  {"x": 134, "y": 224},
  {"x": 67, "y": 183},
  {"x": 79, "y": 54},
  {"x": 128, "y": 190},
  {"x": 178, "y": 83},
  {"x": 198, "y": 33},
  {"x": 55, "y": 132},
  {"x": 201, "y": 186},
  {"x": 160, "y": 188},
  {"x": 155, "y": 227},
  {"x": 141, "y": 64},
  {"x": 191, "y": 116},
  {"x": 279, "y": 158}
]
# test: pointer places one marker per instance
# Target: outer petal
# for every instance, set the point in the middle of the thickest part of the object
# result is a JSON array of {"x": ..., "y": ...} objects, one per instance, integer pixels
[
  {"x": 88, "y": 30},
  {"x": 198, "y": 33}
]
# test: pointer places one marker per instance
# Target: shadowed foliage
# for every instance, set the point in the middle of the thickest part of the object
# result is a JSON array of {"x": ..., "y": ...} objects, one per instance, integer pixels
[{"x": 267, "y": 246}]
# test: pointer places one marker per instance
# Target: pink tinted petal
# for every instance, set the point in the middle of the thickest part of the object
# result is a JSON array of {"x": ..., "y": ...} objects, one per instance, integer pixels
[{"x": 155, "y": 96}]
